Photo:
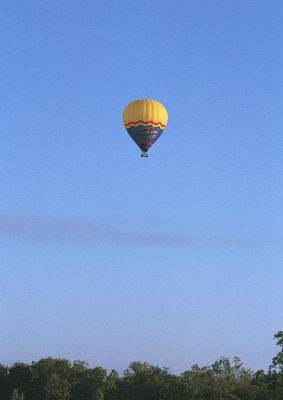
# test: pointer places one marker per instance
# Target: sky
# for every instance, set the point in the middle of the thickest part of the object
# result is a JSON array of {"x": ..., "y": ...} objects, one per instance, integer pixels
[{"x": 112, "y": 258}]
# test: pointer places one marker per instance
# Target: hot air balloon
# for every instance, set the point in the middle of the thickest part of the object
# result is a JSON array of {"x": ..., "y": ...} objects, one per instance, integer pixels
[{"x": 145, "y": 121}]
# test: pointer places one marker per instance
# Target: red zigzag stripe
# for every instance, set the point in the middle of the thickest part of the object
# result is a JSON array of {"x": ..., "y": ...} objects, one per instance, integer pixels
[{"x": 144, "y": 123}]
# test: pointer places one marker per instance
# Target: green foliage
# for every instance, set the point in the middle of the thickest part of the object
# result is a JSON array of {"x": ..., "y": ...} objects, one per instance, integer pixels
[
  {"x": 4, "y": 382},
  {"x": 57, "y": 388},
  {"x": 20, "y": 375},
  {"x": 277, "y": 361},
  {"x": 16, "y": 395},
  {"x": 60, "y": 379}
]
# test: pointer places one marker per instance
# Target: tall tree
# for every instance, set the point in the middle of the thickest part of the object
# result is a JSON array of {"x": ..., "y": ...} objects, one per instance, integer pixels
[
  {"x": 50, "y": 376},
  {"x": 57, "y": 388},
  {"x": 20, "y": 378},
  {"x": 111, "y": 385},
  {"x": 276, "y": 370},
  {"x": 4, "y": 382},
  {"x": 277, "y": 361}
]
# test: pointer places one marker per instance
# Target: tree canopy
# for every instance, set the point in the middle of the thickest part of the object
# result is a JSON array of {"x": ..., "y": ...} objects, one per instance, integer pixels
[{"x": 60, "y": 379}]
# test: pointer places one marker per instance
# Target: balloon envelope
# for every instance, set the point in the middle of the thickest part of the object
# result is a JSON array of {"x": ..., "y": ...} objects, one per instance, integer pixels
[{"x": 145, "y": 121}]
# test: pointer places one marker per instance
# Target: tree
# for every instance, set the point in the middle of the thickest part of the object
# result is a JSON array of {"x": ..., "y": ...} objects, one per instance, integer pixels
[
  {"x": 20, "y": 378},
  {"x": 144, "y": 381},
  {"x": 275, "y": 373},
  {"x": 89, "y": 384},
  {"x": 60, "y": 379},
  {"x": 57, "y": 388},
  {"x": 111, "y": 385},
  {"x": 4, "y": 382},
  {"x": 277, "y": 361},
  {"x": 50, "y": 379}
]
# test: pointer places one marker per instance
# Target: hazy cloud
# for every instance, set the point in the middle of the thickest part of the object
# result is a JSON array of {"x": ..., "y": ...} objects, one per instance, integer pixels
[{"x": 79, "y": 230}]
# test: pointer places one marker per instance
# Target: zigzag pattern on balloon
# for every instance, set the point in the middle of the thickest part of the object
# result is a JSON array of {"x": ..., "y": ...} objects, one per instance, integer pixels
[{"x": 140, "y": 122}]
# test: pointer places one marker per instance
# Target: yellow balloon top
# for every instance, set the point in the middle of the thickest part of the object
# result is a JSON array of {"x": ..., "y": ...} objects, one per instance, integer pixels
[{"x": 145, "y": 112}]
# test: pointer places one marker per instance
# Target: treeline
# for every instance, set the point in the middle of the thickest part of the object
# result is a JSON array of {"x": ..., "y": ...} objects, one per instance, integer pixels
[{"x": 60, "y": 379}]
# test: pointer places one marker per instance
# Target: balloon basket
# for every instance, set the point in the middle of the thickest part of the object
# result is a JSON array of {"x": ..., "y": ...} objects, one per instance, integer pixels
[{"x": 144, "y": 155}]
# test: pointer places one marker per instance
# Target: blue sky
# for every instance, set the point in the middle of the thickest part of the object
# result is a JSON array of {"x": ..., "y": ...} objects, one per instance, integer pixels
[{"x": 110, "y": 258}]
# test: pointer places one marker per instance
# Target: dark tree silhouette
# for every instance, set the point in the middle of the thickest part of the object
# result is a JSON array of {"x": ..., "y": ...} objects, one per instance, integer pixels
[{"x": 60, "y": 379}]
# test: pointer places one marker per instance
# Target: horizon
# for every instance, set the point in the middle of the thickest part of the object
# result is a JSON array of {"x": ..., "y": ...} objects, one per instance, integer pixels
[{"x": 177, "y": 258}]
